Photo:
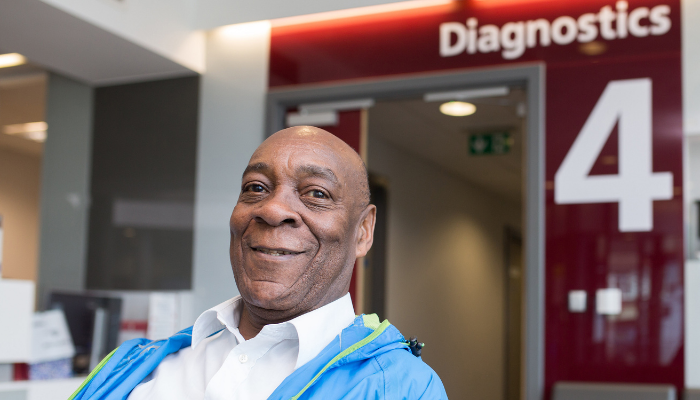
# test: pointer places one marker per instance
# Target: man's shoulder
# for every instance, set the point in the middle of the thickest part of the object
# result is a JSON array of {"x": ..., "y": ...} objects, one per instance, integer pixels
[
  {"x": 395, "y": 374},
  {"x": 402, "y": 359},
  {"x": 392, "y": 371},
  {"x": 405, "y": 373},
  {"x": 409, "y": 375}
]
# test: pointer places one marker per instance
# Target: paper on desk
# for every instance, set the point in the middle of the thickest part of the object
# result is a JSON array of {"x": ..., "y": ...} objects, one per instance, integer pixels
[{"x": 51, "y": 338}]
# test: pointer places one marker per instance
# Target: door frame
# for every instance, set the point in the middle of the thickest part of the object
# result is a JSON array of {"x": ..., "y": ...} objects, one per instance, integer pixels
[
  {"x": 510, "y": 235},
  {"x": 532, "y": 76}
]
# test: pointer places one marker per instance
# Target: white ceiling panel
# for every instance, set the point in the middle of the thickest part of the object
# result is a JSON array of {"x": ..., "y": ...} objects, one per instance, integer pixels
[
  {"x": 75, "y": 48},
  {"x": 419, "y": 128}
]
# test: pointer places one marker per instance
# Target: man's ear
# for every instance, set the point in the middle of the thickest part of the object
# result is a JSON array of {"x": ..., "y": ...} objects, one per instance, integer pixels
[{"x": 365, "y": 233}]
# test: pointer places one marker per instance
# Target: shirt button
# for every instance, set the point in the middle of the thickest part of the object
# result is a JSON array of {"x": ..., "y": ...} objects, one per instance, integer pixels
[{"x": 243, "y": 358}]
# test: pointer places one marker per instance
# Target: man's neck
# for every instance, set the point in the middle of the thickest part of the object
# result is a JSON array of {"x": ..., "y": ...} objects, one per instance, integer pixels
[{"x": 248, "y": 325}]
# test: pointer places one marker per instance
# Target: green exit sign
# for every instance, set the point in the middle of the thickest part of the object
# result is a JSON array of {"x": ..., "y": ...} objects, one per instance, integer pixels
[{"x": 490, "y": 143}]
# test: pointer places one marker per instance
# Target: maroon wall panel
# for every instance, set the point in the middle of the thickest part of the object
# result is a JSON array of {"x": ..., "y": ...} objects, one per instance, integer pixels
[
  {"x": 349, "y": 128},
  {"x": 407, "y": 42},
  {"x": 585, "y": 246},
  {"x": 585, "y": 249}
]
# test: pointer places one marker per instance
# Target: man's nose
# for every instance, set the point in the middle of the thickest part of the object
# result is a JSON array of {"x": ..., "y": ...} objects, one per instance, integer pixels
[{"x": 278, "y": 209}]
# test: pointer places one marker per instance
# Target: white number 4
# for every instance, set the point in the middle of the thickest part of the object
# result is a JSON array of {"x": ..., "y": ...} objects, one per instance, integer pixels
[{"x": 636, "y": 186}]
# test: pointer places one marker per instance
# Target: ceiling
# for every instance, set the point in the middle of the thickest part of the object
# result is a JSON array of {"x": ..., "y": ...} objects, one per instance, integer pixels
[
  {"x": 75, "y": 48},
  {"x": 419, "y": 128},
  {"x": 214, "y": 13}
]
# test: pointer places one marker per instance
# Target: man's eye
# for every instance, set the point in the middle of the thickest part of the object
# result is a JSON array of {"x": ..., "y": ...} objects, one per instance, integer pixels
[
  {"x": 255, "y": 188},
  {"x": 317, "y": 194}
]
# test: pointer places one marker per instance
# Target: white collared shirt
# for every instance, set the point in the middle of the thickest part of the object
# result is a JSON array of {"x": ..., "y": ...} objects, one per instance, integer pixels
[{"x": 225, "y": 366}]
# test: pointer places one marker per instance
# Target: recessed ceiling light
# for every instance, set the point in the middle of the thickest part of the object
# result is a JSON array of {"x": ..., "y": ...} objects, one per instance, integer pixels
[
  {"x": 457, "y": 108},
  {"x": 37, "y": 136},
  {"x": 17, "y": 129},
  {"x": 593, "y": 48},
  {"x": 35, "y": 131},
  {"x": 11, "y": 60}
]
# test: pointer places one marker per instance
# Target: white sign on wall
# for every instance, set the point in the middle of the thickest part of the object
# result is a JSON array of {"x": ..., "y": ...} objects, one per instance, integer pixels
[
  {"x": 513, "y": 38},
  {"x": 626, "y": 103}
]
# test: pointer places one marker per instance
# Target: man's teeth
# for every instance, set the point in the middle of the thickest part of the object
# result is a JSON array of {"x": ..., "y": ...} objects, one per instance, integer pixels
[{"x": 275, "y": 252}]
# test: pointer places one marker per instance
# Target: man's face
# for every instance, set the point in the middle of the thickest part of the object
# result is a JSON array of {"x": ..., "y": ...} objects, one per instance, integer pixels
[{"x": 294, "y": 229}]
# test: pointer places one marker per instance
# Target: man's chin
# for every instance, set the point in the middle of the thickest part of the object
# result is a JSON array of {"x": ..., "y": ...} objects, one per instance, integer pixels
[{"x": 267, "y": 295}]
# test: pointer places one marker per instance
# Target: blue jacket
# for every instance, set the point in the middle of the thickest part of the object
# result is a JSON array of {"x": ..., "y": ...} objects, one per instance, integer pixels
[{"x": 368, "y": 360}]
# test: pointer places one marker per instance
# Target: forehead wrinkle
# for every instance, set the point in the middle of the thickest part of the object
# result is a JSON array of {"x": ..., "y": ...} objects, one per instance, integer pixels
[
  {"x": 317, "y": 171},
  {"x": 261, "y": 167}
]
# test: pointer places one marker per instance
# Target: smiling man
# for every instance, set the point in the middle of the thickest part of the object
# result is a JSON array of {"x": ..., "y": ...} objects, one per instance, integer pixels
[{"x": 302, "y": 219}]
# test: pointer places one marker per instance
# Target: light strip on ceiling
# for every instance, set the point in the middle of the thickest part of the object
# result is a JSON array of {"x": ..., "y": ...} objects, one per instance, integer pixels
[
  {"x": 357, "y": 12},
  {"x": 325, "y": 114},
  {"x": 336, "y": 105},
  {"x": 467, "y": 94},
  {"x": 11, "y": 60},
  {"x": 326, "y": 118},
  {"x": 35, "y": 131},
  {"x": 18, "y": 129}
]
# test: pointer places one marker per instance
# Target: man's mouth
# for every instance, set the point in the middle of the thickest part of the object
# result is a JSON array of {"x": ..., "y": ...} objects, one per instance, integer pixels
[{"x": 274, "y": 252}]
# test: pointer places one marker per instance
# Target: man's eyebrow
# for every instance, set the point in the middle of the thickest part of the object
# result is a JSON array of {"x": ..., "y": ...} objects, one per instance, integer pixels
[
  {"x": 257, "y": 167},
  {"x": 315, "y": 170}
]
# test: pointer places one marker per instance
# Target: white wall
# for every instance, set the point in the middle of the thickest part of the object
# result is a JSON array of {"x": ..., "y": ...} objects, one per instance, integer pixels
[
  {"x": 691, "y": 127},
  {"x": 691, "y": 60},
  {"x": 693, "y": 178},
  {"x": 15, "y": 342},
  {"x": 692, "y": 266},
  {"x": 445, "y": 272},
  {"x": 231, "y": 127},
  {"x": 692, "y": 324}
]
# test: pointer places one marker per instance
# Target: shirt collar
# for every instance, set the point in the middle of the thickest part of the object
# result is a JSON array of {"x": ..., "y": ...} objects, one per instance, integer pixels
[
  {"x": 315, "y": 329},
  {"x": 225, "y": 315},
  {"x": 319, "y": 327}
]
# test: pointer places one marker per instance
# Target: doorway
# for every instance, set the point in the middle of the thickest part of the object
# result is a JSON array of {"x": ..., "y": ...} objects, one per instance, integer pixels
[
  {"x": 525, "y": 212},
  {"x": 23, "y": 89},
  {"x": 454, "y": 184}
]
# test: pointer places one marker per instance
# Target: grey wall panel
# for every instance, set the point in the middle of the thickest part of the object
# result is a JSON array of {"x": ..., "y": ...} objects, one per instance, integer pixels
[
  {"x": 65, "y": 186},
  {"x": 142, "y": 188}
]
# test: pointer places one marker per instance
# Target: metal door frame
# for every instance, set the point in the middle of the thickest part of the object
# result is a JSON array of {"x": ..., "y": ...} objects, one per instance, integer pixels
[{"x": 532, "y": 76}]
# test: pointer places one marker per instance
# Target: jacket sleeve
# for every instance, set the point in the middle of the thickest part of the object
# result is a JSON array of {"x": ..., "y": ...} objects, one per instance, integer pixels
[
  {"x": 435, "y": 389},
  {"x": 408, "y": 377}
]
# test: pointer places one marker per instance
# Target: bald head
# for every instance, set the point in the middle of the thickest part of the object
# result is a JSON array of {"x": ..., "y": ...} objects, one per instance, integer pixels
[
  {"x": 325, "y": 142},
  {"x": 302, "y": 219}
]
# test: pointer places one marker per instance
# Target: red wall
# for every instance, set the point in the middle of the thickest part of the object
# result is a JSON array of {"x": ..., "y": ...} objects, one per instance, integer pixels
[
  {"x": 585, "y": 247},
  {"x": 348, "y": 129}
]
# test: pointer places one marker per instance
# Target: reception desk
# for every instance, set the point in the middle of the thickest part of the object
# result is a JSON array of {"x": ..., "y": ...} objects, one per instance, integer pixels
[{"x": 57, "y": 389}]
